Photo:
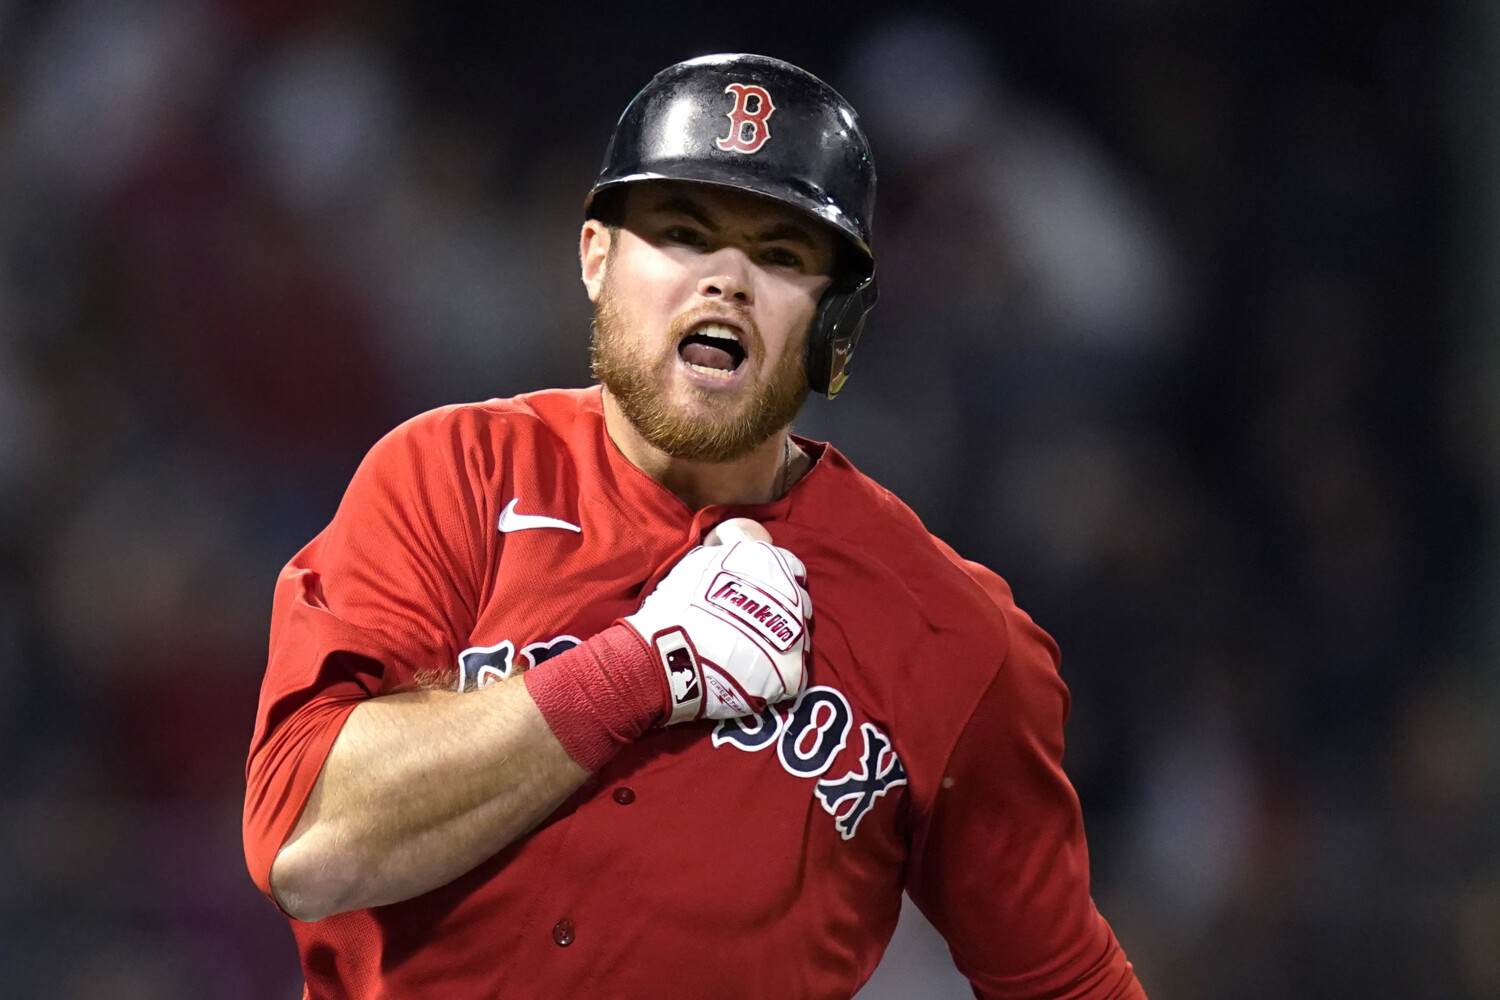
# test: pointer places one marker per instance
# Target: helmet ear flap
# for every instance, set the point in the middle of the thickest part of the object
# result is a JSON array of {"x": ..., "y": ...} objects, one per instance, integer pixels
[{"x": 835, "y": 331}]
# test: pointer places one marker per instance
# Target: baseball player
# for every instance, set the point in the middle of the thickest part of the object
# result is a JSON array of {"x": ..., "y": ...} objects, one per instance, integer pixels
[{"x": 626, "y": 691}]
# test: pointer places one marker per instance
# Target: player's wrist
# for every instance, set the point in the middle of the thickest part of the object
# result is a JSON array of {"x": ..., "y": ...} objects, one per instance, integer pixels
[{"x": 600, "y": 695}]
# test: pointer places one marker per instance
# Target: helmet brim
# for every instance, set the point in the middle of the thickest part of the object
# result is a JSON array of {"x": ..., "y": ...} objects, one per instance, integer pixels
[{"x": 811, "y": 202}]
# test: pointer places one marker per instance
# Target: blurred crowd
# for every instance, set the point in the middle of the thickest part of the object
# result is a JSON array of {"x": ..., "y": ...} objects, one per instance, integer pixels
[{"x": 1175, "y": 333}]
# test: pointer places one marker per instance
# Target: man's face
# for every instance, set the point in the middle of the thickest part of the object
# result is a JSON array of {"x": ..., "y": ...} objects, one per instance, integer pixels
[{"x": 701, "y": 308}]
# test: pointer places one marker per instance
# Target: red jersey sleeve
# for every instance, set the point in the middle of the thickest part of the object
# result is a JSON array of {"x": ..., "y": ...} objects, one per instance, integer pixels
[
  {"x": 1000, "y": 866},
  {"x": 382, "y": 594}
]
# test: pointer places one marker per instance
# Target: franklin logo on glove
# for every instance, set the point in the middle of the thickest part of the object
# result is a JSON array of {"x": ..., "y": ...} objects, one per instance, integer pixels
[{"x": 755, "y": 607}]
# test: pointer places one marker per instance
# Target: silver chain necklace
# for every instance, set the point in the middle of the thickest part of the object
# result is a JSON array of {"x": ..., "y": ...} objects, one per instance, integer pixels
[{"x": 786, "y": 466}]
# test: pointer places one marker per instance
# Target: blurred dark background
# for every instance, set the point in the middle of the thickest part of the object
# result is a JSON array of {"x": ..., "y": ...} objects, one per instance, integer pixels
[{"x": 1188, "y": 328}]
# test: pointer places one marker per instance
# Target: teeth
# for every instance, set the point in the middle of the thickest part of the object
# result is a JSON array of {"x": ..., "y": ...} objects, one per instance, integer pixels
[
  {"x": 715, "y": 372},
  {"x": 717, "y": 331}
]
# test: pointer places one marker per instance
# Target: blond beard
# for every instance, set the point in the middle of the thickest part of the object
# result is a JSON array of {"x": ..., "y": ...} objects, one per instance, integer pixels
[{"x": 635, "y": 381}]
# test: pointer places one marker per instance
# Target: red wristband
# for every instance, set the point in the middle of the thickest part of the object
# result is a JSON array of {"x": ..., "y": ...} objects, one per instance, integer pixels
[{"x": 601, "y": 694}]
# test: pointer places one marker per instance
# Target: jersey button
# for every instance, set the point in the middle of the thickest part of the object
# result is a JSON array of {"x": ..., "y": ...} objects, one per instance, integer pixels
[
  {"x": 562, "y": 932},
  {"x": 624, "y": 796}
]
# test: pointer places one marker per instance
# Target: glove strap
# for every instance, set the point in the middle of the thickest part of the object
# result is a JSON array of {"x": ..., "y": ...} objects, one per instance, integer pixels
[{"x": 600, "y": 695}]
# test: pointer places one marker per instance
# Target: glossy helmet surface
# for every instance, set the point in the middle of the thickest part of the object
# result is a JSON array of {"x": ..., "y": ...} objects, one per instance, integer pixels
[{"x": 760, "y": 125}]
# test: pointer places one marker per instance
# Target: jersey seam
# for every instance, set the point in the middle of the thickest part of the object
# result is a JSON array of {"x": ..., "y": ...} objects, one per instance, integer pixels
[
  {"x": 928, "y": 810},
  {"x": 485, "y": 570}
]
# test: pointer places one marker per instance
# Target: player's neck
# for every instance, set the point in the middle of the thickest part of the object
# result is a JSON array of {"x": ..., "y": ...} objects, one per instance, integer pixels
[{"x": 762, "y": 476}]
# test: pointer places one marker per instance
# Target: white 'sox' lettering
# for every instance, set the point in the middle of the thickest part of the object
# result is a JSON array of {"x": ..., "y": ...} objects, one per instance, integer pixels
[
  {"x": 808, "y": 737},
  {"x": 481, "y": 666},
  {"x": 849, "y": 798}
]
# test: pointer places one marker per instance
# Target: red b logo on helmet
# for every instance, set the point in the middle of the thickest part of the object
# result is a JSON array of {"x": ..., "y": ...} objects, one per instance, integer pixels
[{"x": 748, "y": 130}]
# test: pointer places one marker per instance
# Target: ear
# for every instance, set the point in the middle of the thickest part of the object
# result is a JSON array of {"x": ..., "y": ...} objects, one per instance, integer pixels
[{"x": 593, "y": 251}]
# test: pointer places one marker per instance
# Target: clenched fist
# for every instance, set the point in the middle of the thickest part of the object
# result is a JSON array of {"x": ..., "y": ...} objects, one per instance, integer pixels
[{"x": 730, "y": 625}]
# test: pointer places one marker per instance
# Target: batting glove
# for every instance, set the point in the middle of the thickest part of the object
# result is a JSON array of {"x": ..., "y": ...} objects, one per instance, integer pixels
[{"x": 730, "y": 625}]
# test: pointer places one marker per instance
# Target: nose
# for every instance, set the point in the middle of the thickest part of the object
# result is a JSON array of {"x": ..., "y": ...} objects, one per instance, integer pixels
[{"x": 727, "y": 279}]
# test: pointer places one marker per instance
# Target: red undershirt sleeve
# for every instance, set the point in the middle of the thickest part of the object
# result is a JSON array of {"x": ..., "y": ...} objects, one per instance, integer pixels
[
  {"x": 381, "y": 595},
  {"x": 1000, "y": 865}
]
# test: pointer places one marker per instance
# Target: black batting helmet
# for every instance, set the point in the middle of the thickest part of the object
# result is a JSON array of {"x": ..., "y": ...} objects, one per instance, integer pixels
[{"x": 761, "y": 125}]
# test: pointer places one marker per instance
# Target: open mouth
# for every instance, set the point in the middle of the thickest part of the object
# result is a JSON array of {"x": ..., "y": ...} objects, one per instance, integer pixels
[{"x": 713, "y": 349}]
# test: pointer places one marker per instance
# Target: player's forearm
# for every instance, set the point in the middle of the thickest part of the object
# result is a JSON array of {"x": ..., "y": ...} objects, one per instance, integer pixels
[{"x": 418, "y": 789}]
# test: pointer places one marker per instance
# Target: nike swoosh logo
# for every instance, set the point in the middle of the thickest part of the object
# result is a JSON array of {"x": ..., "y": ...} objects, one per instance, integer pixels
[{"x": 511, "y": 521}]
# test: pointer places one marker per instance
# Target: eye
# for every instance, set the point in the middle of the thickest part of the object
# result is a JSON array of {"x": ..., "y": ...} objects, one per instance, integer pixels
[
  {"x": 684, "y": 236},
  {"x": 782, "y": 257}
]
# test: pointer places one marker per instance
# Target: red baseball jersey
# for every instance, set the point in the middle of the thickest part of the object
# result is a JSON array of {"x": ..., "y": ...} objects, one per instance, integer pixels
[{"x": 758, "y": 857}]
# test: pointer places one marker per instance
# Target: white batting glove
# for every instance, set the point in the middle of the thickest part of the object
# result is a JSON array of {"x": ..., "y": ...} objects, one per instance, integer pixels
[{"x": 730, "y": 624}]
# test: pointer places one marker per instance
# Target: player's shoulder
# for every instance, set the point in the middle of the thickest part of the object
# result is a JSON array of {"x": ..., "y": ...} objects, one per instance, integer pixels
[
  {"x": 911, "y": 609},
  {"x": 554, "y": 412},
  {"x": 475, "y": 445},
  {"x": 861, "y": 512},
  {"x": 904, "y": 595}
]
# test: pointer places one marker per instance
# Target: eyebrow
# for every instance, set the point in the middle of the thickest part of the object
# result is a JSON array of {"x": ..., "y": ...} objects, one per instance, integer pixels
[
  {"x": 689, "y": 208},
  {"x": 788, "y": 231}
]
